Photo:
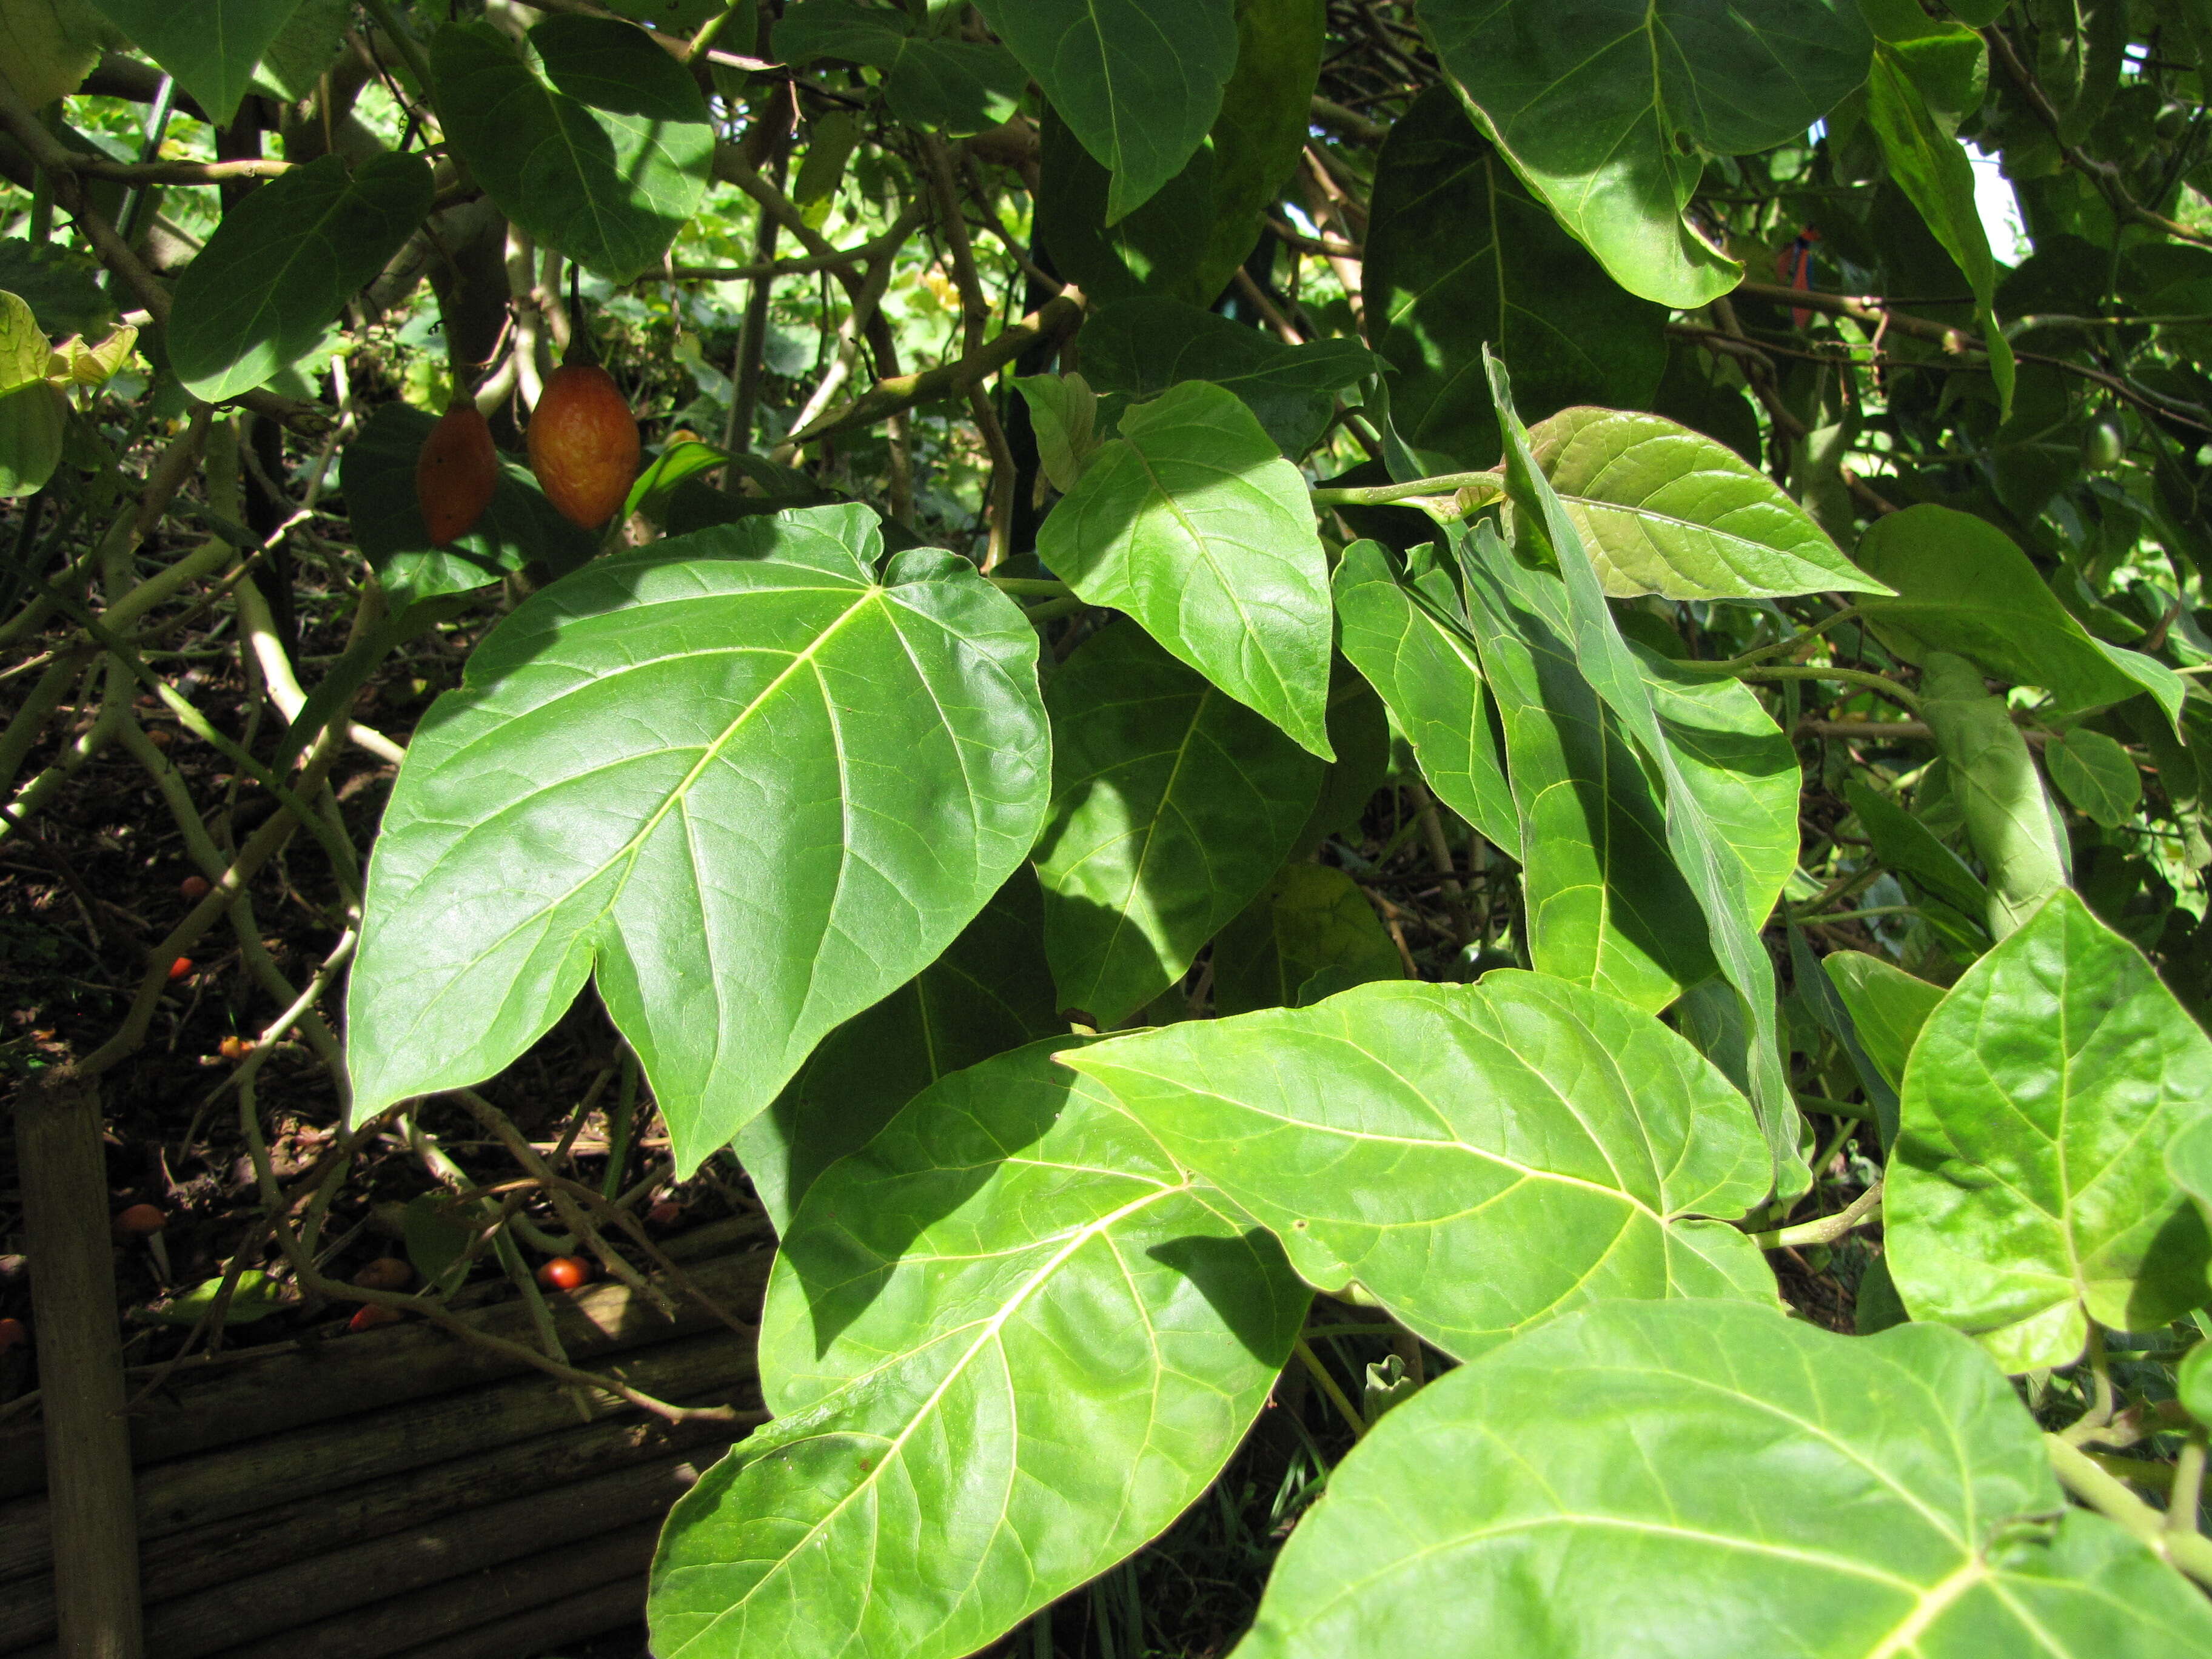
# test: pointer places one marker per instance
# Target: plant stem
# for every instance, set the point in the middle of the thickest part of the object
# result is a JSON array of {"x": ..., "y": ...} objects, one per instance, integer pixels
[
  {"x": 1383, "y": 494},
  {"x": 1322, "y": 1374},
  {"x": 2078, "y": 1472},
  {"x": 1828, "y": 1229}
]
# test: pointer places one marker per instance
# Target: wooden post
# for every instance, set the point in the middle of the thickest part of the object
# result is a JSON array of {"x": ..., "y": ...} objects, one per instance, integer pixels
[{"x": 94, "y": 1516}]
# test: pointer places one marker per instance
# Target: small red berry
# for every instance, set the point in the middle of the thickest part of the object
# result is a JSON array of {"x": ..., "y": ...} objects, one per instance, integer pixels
[
  {"x": 565, "y": 1273},
  {"x": 234, "y": 1047},
  {"x": 12, "y": 1333},
  {"x": 371, "y": 1315},
  {"x": 179, "y": 968},
  {"x": 193, "y": 887}
]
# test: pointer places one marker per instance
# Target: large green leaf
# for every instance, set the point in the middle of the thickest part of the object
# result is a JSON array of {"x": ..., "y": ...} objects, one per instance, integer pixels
[
  {"x": 1172, "y": 807},
  {"x": 604, "y": 159},
  {"x": 1686, "y": 1478},
  {"x": 211, "y": 47},
  {"x": 1138, "y": 82},
  {"x": 991, "y": 991},
  {"x": 1930, "y": 167},
  {"x": 1887, "y": 1006},
  {"x": 1459, "y": 255},
  {"x": 1411, "y": 641},
  {"x": 1144, "y": 346},
  {"x": 377, "y": 478},
  {"x": 1009, "y": 1341},
  {"x": 1193, "y": 522},
  {"x": 1187, "y": 240},
  {"x": 1609, "y": 904},
  {"x": 1608, "y": 107},
  {"x": 2028, "y": 1191},
  {"x": 1310, "y": 934},
  {"x": 1479, "y": 1157},
  {"x": 283, "y": 261},
  {"x": 749, "y": 786},
  {"x": 2009, "y": 816},
  {"x": 1962, "y": 586},
  {"x": 1668, "y": 511}
]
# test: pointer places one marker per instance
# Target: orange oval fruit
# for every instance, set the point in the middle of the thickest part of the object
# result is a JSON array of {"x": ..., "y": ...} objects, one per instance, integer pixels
[
  {"x": 456, "y": 473},
  {"x": 583, "y": 445},
  {"x": 139, "y": 1221}
]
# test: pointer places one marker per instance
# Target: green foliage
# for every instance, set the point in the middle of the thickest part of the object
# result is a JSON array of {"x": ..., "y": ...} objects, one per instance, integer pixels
[
  {"x": 1170, "y": 823},
  {"x": 769, "y": 796},
  {"x": 1479, "y": 1160},
  {"x": 1889, "y": 1529},
  {"x": 2030, "y": 1192}
]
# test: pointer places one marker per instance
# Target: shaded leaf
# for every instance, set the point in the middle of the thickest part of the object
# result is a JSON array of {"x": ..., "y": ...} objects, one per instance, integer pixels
[
  {"x": 1887, "y": 1006},
  {"x": 211, "y": 47},
  {"x": 1479, "y": 1159},
  {"x": 1172, "y": 805},
  {"x": 2028, "y": 1193},
  {"x": 2096, "y": 773},
  {"x": 991, "y": 991},
  {"x": 748, "y": 786},
  {"x": 1908, "y": 847},
  {"x": 1144, "y": 346},
  {"x": 1682, "y": 1479},
  {"x": 604, "y": 159},
  {"x": 1193, "y": 522},
  {"x": 1138, "y": 82},
  {"x": 1411, "y": 642},
  {"x": 61, "y": 287},
  {"x": 959, "y": 87},
  {"x": 1665, "y": 510},
  {"x": 1608, "y": 111},
  {"x": 1963, "y": 586},
  {"x": 1459, "y": 255},
  {"x": 1009, "y": 1342},
  {"x": 2010, "y": 819},
  {"x": 33, "y": 420},
  {"x": 283, "y": 261},
  {"x": 376, "y": 476},
  {"x": 1309, "y": 919}
]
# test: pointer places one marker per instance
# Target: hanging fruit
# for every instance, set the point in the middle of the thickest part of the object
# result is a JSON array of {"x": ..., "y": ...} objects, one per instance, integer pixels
[
  {"x": 583, "y": 439},
  {"x": 457, "y": 471}
]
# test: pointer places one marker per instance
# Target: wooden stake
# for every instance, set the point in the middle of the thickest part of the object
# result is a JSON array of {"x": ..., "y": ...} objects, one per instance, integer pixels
[{"x": 93, "y": 1515}]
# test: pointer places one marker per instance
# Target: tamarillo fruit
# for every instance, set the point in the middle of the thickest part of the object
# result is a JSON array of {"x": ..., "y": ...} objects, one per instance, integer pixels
[
  {"x": 583, "y": 439},
  {"x": 456, "y": 473}
]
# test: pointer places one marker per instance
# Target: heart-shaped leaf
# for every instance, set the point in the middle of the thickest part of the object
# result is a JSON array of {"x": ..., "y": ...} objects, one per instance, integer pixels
[
  {"x": 1459, "y": 255},
  {"x": 1608, "y": 110},
  {"x": 605, "y": 163},
  {"x": 211, "y": 47},
  {"x": 1193, "y": 522},
  {"x": 749, "y": 785},
  {"x": 1171, "y": 807},
  {"x": 1683, "y": 1478},
  {"x": 1666, "y": 510},
  {"x": 1138, "y": 82},
  {"x": 991, "y": 991},
  {"x": 1480, "y": 1158},
  {"x": 283, "y": 261},
  {"x": 2028, "y": 1191},
  {"x": 1009, "y": 1341}
]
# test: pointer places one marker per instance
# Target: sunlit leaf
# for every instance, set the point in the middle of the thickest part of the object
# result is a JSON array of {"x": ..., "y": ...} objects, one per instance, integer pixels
[
  {"x": 1682, "y": 1479},
  {"x": 2028, "y": 1193},
  {"x": 2010, "y": 817},
  {"x": 1479, "y": 1159},
  {"x": 750, "y": 787},
  {"x": 1008, "y": 1342},
  {"x": 1887, "y": 1006},
  {"x": 1193, "y": 522}
]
